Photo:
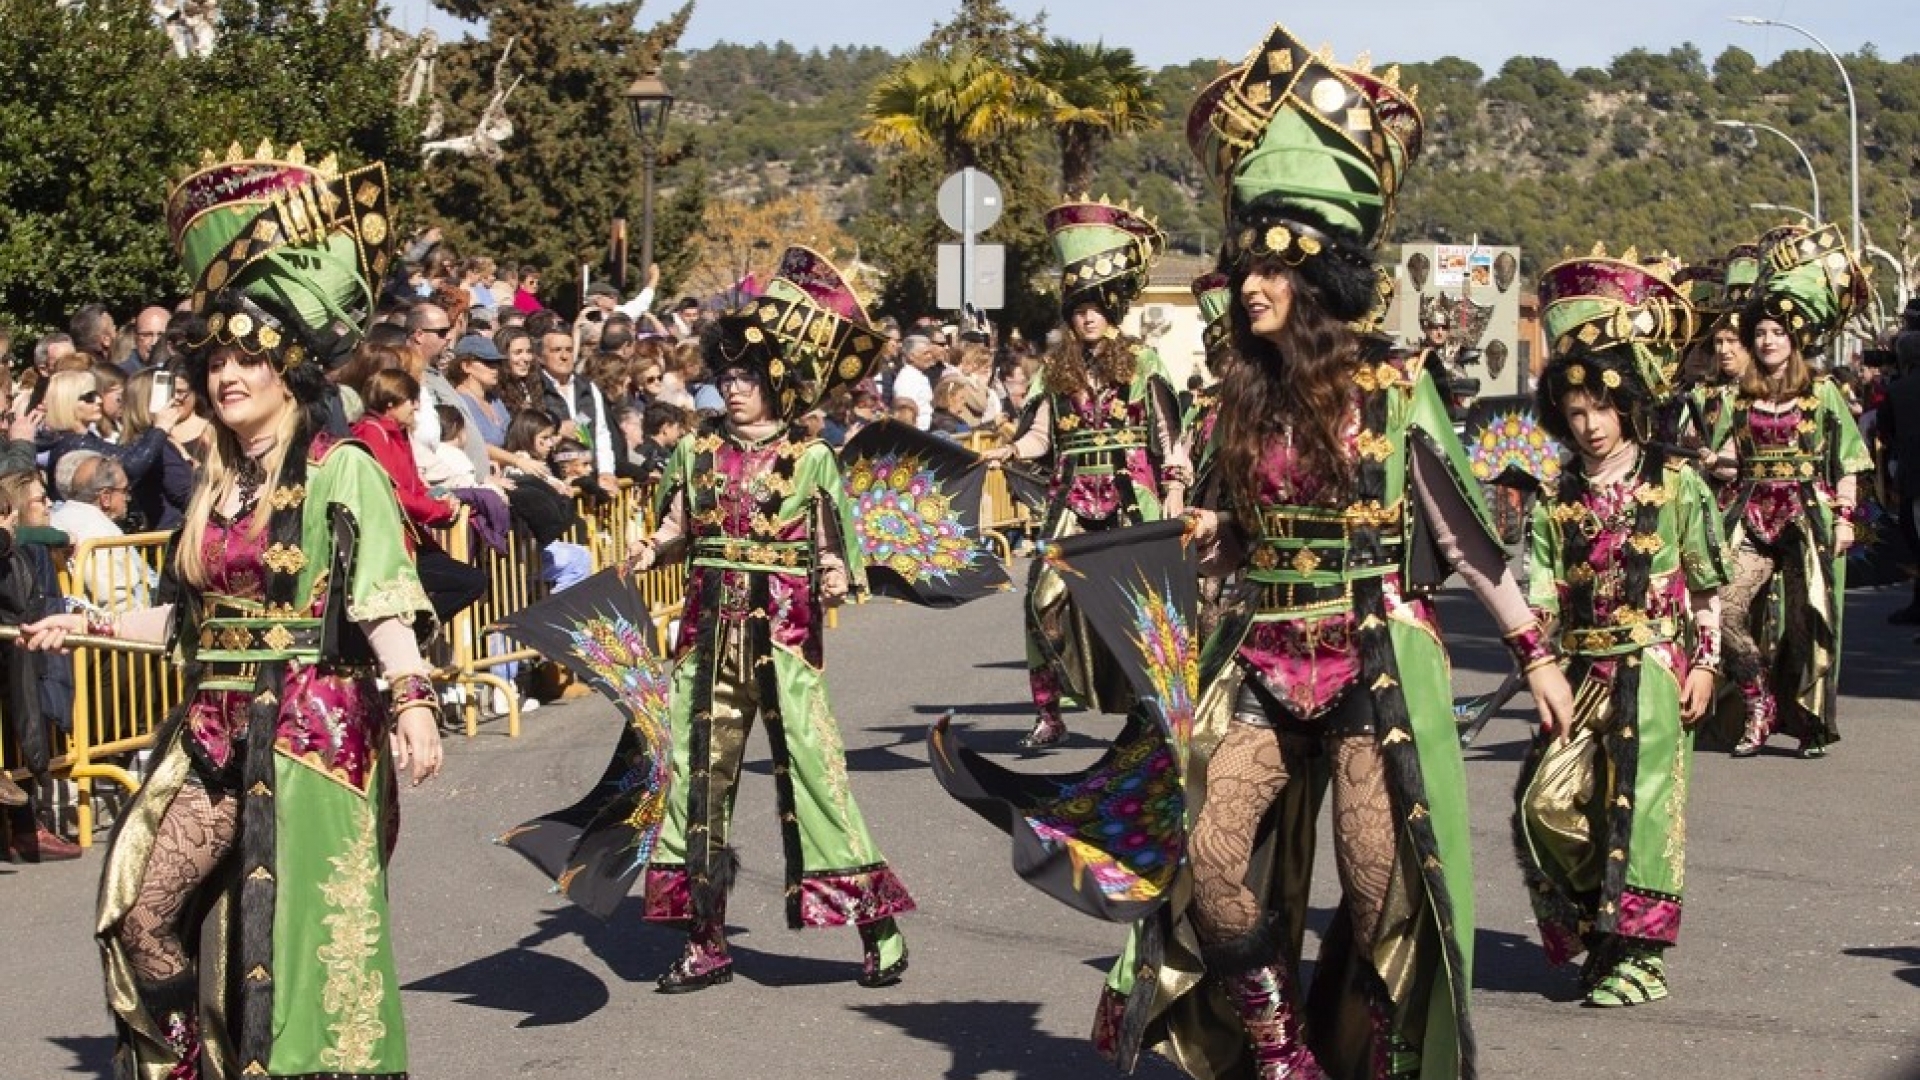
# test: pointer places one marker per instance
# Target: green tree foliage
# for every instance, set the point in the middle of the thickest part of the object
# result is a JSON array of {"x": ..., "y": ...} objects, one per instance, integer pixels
[
  {"x": 1090, "y": 95},
  {"x": 573, "y": 163},
  {"x": 98, "y": 119}
]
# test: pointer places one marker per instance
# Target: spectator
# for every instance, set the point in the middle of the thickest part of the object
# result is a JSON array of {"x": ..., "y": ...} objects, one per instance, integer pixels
[
  {"x": 93, "y": 331},
  {"x": 449, "y": 469},
  {"x": 544, "y": 503},
  {"x": 73, "y": 408},
  {"x": 578, "y": 403},
  {"x": 1899, "y": 423},
  {"x": 476, "y": 376},
  {"x": 947, "y": 403},
  {"x": 112, "y": 385},
  {"x": 906, "y": 411},
  {"x": 520, "y": 386},
  {"x": 476, "y": 276},
  {"x": 159, "y": 500},
  {"x": 526, "y": 295},
  {"x": 50, "y": 350},
  {"x": 912, "y": 381},
  {"x": 662, "y": 427},
  {"x": 392, "y": 397},
  {"x": 149, "y": 340},
  {"x": 93, "y": 506},
  {"x": 686, "y": 322},
  {"x": 27, "y": 590}
]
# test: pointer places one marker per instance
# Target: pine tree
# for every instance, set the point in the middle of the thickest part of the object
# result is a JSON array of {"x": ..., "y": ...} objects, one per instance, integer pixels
[{"x": 573, "y": 163}]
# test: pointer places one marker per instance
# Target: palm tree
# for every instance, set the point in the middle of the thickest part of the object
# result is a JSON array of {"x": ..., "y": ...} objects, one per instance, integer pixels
[
  {"x": 949, "y": 103},
  {"x": 1092, "y": 96}
]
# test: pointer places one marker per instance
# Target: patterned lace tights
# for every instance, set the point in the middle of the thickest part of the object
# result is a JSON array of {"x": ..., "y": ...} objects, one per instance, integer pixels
[
  {"x": 1752, "y": 570},
  {"x": 195, "y": 836},
  {"x": 1245, "y": 775}
]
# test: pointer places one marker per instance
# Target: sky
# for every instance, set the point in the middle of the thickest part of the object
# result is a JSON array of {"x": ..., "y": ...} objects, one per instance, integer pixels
[{"x": 1486, "y": 32}]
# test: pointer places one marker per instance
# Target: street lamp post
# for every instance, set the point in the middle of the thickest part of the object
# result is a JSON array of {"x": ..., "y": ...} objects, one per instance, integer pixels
[
  {"x": 1853, "y": 107},
  {"x": 1814, "y": 178},
  {"x": 1782, "y": 208},
  {"x": 648, "y": 102}
]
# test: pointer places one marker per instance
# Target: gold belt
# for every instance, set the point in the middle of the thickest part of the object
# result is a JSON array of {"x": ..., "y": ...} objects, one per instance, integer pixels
[
  {"x": 1611, "y": 640},
  {"x": 1788, "y": 468},
  {"x": 770, "y": 556}
]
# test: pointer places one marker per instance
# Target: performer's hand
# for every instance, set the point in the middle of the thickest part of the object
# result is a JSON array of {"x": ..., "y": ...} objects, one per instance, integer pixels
[
  {"x": 1202, "y": 525},
  {"x": 1842, "y": 536},
  {"x": 416, "y": 741},
  {"x": 1553, "y": 698},
  {"x": 999, "y": 455},
  {"x": 640, "y": 556},
  {"x": 833, "y": 585},
  {"x": 50, "y": 633},
  {"x": 1176, "y": 501},
  {"x": 1696, "y": 697}
]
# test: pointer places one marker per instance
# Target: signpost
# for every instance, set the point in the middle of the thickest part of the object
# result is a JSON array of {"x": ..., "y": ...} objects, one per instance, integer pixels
[{"x": 974, "y": 276}]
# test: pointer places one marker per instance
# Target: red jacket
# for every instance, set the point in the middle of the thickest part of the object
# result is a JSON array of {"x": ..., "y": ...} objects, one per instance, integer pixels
[{"x": 391, "y": 448}]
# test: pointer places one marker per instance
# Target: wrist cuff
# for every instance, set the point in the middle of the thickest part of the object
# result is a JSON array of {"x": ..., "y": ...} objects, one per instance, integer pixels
[{"x": 1530, "y": 647}]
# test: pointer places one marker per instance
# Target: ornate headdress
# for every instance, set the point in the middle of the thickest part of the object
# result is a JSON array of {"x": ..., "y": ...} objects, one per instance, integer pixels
[
  {"x": 1809, "y": 283},
  {"x": 807, "y": 331},
  {"x": 1703, "y": 284},
  {"x": 1309, "y": 157},
  {"x": 1595, "y": 303},
  {"x": 283, "y": 255},
  {"x": 1215, "y": 299},
  {"x": 1105, "y": 251},
  {"x": 1436, "y": 310}
]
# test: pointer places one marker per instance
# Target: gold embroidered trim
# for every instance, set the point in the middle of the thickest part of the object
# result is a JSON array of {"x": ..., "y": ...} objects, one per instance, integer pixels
[{"x": 353, "y": 989}]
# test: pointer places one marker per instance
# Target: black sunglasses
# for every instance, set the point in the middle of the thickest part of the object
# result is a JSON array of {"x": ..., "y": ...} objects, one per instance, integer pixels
[{"x": 91, "y": 397}]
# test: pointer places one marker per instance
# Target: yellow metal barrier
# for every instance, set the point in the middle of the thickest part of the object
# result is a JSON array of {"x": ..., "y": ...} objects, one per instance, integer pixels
[
  {"x": 1001, "y": 513},
  {"x": 119, "y": 698}
]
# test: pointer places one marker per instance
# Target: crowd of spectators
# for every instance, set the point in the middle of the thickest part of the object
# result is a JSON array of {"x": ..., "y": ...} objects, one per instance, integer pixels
[{"x": 473, "y": 394}]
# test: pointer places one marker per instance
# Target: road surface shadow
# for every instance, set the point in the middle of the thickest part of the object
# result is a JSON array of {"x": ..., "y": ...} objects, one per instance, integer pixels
[
  {"x": 1908, "y": 955},
  {"x": 92, "y": 1054},
  {"x": 1000, "y": 1038},
  {"x": 547, "y": 990},
  {"x": 1515, "y": 964},
  {"x": 862, "y": 759}
]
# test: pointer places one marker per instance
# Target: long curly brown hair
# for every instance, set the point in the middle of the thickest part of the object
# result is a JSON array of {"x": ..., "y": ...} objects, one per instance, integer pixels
[
  {"x": 1303, "y": 382},
  {"x": 1069, "y": 365}
]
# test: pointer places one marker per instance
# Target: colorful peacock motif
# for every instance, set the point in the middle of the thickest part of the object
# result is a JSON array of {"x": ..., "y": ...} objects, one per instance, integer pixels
[{"x": 906, "y": 522}]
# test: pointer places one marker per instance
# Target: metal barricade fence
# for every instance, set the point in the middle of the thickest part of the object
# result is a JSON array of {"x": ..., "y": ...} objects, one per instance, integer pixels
[{"x": 119, "y": 698}]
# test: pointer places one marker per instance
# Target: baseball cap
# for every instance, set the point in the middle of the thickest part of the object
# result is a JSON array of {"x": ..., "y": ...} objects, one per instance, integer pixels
[{"x": 479, "y": 347}]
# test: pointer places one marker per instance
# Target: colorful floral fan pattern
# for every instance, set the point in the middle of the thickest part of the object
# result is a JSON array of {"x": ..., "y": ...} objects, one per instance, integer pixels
[{"x": 906, "y": 522}]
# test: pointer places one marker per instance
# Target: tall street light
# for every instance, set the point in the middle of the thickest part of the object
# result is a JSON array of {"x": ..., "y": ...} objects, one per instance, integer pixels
[
  {"x": 648, "y": 102},
  {"x": 1749, "y": 126},
  {"x": 1782, "y": 208},
  {"x": 1853, "y": 106}
]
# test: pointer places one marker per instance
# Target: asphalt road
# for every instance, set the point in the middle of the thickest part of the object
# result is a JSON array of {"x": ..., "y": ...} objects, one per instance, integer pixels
[{"x": 1800, "y": 955}]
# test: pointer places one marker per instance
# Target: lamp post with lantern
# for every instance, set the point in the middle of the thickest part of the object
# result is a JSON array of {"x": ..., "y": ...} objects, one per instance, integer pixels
[{"x": 648, "y": 103}]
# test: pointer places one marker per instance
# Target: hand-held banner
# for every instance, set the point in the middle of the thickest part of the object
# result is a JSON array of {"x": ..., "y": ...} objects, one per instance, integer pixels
[
  {"x": 916, "y": 508},
  {"x": 596, "y": 848}
]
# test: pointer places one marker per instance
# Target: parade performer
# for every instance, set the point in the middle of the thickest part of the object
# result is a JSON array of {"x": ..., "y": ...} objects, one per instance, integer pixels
[
  {"x": 1107, "y": 417},
  {"x": 758, "y": 511},
  {"x": 262, "y": 833},
  {"x": 1625, "y": 560},
  {"x": 1719, "y": 290},
  {"x": 1790, "y": 448},
  {"x": 1338, "y": 494}
]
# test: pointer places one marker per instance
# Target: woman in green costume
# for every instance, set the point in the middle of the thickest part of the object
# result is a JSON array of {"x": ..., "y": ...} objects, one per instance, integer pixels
[
  {"x": 759, "y": 512},
  {"x": 1106, "y": 416},
  {"x": 1626, "y": 559},
  {"x": 1791, "y": 455},
  {"x": 1337, "y": 494},
  {"x": 262, "y": 835}
]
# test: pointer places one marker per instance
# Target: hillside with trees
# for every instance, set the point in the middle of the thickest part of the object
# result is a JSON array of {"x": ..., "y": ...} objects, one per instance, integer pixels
[{"x": 1533, "y": 155}]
